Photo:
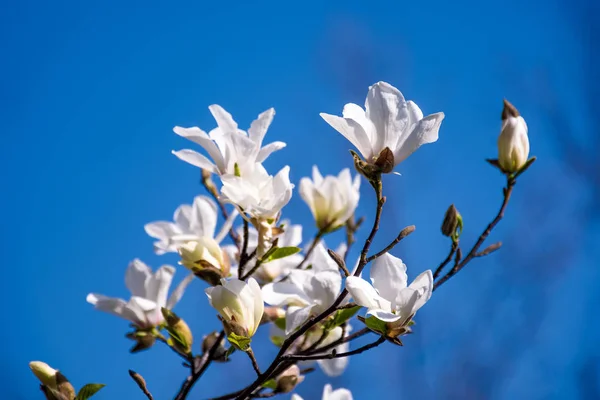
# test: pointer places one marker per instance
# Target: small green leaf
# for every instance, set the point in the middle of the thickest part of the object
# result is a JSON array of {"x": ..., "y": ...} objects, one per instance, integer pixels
[
  {"x": 281, "y": 252},
  {"x": 270, "y": 384},
  {"x": 230, "y": 351},
  {"x": 236, "y": 169},
  {"x": 240, "y": 342},
  {"x": 376, "y": 325},
  {"x": 344, "y": 315},
  {"x": 89, "y": 390},
  {"x": 280, "y": 323},
  {"x": 277, "y": 340}
]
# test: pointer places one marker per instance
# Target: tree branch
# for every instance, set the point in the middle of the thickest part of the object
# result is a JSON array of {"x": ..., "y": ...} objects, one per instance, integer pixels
[
  {"x": 333, "y": 354},
  {"x": 403, "y": 233}
]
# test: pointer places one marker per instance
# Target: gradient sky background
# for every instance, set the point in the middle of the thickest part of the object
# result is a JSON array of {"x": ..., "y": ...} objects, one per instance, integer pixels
[{"x": 90, "y": 91}]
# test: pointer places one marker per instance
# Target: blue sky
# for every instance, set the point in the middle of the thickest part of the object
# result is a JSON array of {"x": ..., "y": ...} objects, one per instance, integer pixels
[{"x": 91, "y": 92}]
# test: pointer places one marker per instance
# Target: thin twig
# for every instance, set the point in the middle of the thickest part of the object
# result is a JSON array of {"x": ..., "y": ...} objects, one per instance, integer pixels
[
  {"x": 342, "y": 340},
  {"x": 141, "y": 382},
  {"x": 334, "y": 354},
  {"x": 198, "y": 368},
  {"x": 253, "y": 269},
  {"x": 312, "y": 247},
  {"x": 254, "y": 362},
  {"x": 244, "y": 257},
  {"x": 403, "y": 233},
  {"x": 439, "y": 269},
  {"x": 507, "y": 191},
  {"x": 351, "y": 228}
]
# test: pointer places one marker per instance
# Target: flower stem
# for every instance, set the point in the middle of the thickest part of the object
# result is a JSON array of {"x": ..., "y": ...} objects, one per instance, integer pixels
[
  {"x": 333, "y": 354},
  {"x": 254, "y": 362}
]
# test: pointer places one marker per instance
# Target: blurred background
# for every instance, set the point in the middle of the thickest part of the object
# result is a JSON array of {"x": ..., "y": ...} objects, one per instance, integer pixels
[{"x": 90, "y": 92}]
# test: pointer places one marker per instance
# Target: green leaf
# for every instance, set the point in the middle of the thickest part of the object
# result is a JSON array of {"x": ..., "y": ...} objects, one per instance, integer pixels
[
  {"x": 277, "y": 340},
  {"x": 376, "y": 325},
  {"x": 230, "y": 351},
  {"x": 89, "y": 390},
  {"x": 178, "y": 339},
  {"x": 240, "y": 342},
  {"x": 270, "y": 384},
  {"x": 280, "y": 323},
  {"x": 344, "y": 315},
  {"x": 281, "y": 252}
]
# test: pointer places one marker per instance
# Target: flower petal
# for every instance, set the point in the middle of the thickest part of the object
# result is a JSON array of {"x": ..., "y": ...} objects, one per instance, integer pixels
[
  {"x": 425, "y": 131},
  {"x": 295, "y": 317},
  {"x": 259, "y": 306},
  {"x": 388, "y": 274},
  {"x": 386, "y": 107},
  {"x": 338, "y": 394},
  {"x": 353, "y": 131},
  {"x": 336, "y": 366},
  {"x": 384, "y": 315},
  {"x": 203, "y": 220},
  {"x": 179, "y": 290},
  {"x": 157, "y": 287},
  {"x": 283, "y": 293},
  {"x": 423, "y": 284},
  {"x": 224, "y": 119},
  {"x": 196, "y": 159},
  {"x": 266, "y": 151},
  {"x": 136, "y": 276},
  {"x": 363, "y": 293},
  {"x": 200, "y": 137},
  {"x": 114, "y": 306},
  {"x": 259, "y": 127}
]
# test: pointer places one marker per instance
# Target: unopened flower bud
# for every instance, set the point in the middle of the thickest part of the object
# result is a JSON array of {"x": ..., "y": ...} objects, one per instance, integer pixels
[
  {"x": 513, "y": 143},
  {"x": 206, "y": 259},
  {"x": 452, "y": 224},
  {"x": 52, "y": 379},
  {"x": 272, "y": 314},
  {"x": 180, "y": 332},
  {"x": 288, "y": 380},
  {"x": 209, "y": 341},
  {"x": 385, "y": 161}
]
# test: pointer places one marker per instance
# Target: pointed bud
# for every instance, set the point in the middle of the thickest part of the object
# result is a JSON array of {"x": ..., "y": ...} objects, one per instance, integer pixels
[
  {"x": 45, "y": 373},
  {"x": 288, "y": 380},
  {"x": 209, "y": 341},
  {"x": 144, "y": 340},
  {"x": 56, "y": 383},
  {"x": 179, "y": 331},
  {"x": 385, "y": 161},
  {"x": 453, "y": 223},
  {"x": 513, "y": 143},
  {"x": 206, "y": 259}
]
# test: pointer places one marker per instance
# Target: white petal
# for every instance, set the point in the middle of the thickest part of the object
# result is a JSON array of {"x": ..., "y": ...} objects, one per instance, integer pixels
[
  {"x": 317, "y": 177},
  {"x": 179, "y": 290},
  {"x": 259, "y": 127},
  {"x": 114, "y": 306},
  {"x": 362, "y": 292},
  {"x": 284, "y": 293},
  {"x": 306, "y": 191},
  {"x": 388, "y": 274},
  {"x": 384, "y": 315},
  {"x": 324, "y": 288},
  {"x": 292, "y": 236},
  {"x": 183, "y": 218},
  {"x": 203, "y": 220},
  {"x": 352, "y": 131},
  {"x": 296, "y": 397},
  {"x": 259, "y": 305},
  {"x": 266, "y": 151},
  {"x": 224, "y": 119},
  {"x": 136, "y": 275},
  {"x": 295, "y": 317},
  {"x": 162, "y": 230},
  {"x": 423, "y": 284},
  {"x": 200, "y": 137},
  {"x": 157, "y": 287},
  {"x": 425, "y": 131},
  {"x": 196, "y": 159},
  {"x": 338, "y": 394},
  {"x": 336, "y": 366},
  {"x": 386, "y": 107},
  {"x": 227, "y": 225}
]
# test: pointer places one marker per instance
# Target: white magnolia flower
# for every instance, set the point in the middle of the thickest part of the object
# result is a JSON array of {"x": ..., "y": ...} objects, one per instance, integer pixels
[
  {"x": 330, "y": 394},
  {"x": 148, "y": 295},
  {"x": 387, "y": 121},
  {"x": 270, "y": 271},
  {"x": 240, "y": 304},
  {"x": 306, "y": 292},
  {"x": 513, "y": 143},
  {"x": 389, "y": 299},
  {"x": 196, "y": 222},
  {"x": 332, "y": 200},
  {"x": 227, "y": 145},
  {"x": 257, "y": 193}
]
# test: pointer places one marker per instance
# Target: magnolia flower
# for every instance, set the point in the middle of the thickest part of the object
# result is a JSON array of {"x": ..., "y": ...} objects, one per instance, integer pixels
[
  {"x": 513, "y": 143},
  {"x": 306, "y": 292},
  {"x": 257, "y": 193},
  {"x": 54, "y": 383},
  {"x": 240, "y": 305},
  {"x": 269, "y": 271},
  {"x": 196, "y": 222},
  {"x": 389, "y": 299},
  {"x": 332, "y": 200},
  {"x": 330, "y": 394},
  {"x": 148, "y": 294},
  {"x": 388, "y": 121},
  {"x": 232, "y": 150}
]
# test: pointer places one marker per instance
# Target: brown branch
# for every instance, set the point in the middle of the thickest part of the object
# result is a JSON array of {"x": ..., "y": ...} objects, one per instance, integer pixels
[
  {"x": 141, "y": 382},
  {"x": 312, "y": 247},
  {"x": 244, "y": 257},
  {"x": 198, "y": 367},
  {"x": 253, "y": 269},
  {"x": 403, "y": 233},
  {"x": 254, "y": 362},
  {"x": 334, "y": 354},
  {"x": 439, "y": 269},
  {"x": 507, "y": 191}
]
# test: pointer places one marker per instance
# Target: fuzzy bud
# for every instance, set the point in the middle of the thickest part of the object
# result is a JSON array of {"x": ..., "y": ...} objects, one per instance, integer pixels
[
  {"x": 180, "y": 332},
  {"x": 288, "y": 380},
  {"x": 452, "y": 224},
  {"x": 54, "y": 384},
  {"x": 513, "y": 143}
]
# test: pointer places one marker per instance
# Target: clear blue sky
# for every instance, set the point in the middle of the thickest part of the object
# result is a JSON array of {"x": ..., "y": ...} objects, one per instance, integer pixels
[{"x": 89, "y": 93}]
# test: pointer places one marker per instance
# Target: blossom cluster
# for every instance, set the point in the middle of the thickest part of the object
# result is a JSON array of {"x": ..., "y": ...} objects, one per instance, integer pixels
[{"x": 255, "y": 267}]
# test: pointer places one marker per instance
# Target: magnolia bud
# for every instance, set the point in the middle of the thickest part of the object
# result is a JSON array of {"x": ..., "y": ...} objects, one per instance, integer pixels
[
  {"x": 385, "y": 161},
  {"x": 513, "y": 143},
  {"x": 452, "y": 224},
  {"x": 180, "y": 332},
  {"x": 144, "y": 340},
  {"x": 209, "y": 341},
  {"x": 288, "y": 380},
  {"x": 206, "y": 259},
  {"x": 53, "y": 380}
]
